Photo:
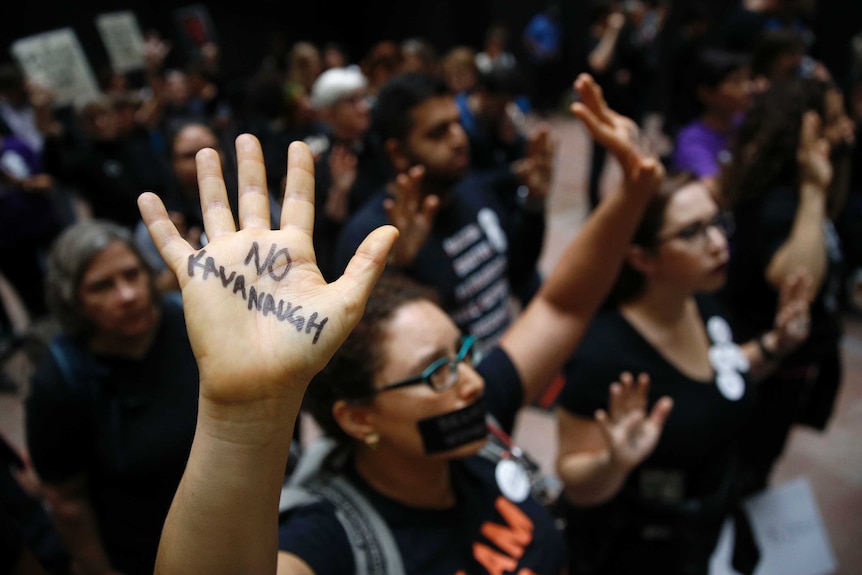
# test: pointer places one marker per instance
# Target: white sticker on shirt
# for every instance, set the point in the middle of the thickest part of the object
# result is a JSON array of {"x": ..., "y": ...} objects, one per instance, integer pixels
[
  {"x": 726, "y": 359},
  {"x": 490, "y": 224},
  {"x": 513, "y": 481}
]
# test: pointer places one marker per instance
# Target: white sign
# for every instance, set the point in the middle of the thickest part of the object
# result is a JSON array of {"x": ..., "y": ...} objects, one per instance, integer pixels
[
  {"x": 123, "y": 40},
  {"x": 56, "y": 60},
  {"x": 789, "y": 531}
]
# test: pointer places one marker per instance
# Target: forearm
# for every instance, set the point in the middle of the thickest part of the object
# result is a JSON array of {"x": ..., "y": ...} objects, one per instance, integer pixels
[
  {"x": 590, "y": 478},
  {"x": 806, "y": 246},
  {"x": 573, "y": 292},
  {"x": 224, "y": 516},
  {"x": 600, "y": 58},
  {"x": 590, "y": 264}
]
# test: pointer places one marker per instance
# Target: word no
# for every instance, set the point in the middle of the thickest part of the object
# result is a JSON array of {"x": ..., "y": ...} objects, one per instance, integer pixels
[{"x": 276, "y": 264}]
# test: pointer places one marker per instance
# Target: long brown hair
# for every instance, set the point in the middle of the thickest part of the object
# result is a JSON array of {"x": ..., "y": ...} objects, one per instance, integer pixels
[{"x": 763, "y": 149}]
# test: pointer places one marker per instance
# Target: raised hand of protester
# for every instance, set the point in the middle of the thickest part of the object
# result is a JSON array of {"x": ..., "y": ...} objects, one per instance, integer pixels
[
  {"x": 261, "y": 319},
  {"x": 536, "y": 169},
  {"x": 411, "y": 213},
  {"x": 632, "y": 434},
  {"x": 617, "y": 133}
]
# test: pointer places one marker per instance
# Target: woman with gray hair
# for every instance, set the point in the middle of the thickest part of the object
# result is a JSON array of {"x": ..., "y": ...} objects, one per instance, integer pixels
[{"x": 112, "y": 407}]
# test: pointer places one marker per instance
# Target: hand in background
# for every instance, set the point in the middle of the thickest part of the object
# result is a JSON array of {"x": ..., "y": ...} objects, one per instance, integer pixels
[
  {"x": 632, "y": 434},
  {"x": 411, "y": 213}
]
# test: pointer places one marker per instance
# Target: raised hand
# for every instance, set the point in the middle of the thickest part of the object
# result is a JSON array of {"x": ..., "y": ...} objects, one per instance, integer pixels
[
  {"x": 617, "y": 133},
  {"x": 536, "y": 169},
  {"x": 342, "y": 166},
  {"x": 411, "y": 213},
  {"x": 630, "y": 434},
  {"x": 261, "y": 319}
]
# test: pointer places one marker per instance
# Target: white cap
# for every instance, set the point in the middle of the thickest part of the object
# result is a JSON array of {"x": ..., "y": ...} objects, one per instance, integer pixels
[{"x": 334, "y": 84}]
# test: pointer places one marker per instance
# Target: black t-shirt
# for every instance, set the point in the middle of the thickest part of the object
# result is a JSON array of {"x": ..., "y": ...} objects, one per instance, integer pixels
[
  {"x": 128, "y": 427},
  {"x": 693, "y": 461},
  {"x": 483, "y": 529},
  {"x": 479, "y": 253}
]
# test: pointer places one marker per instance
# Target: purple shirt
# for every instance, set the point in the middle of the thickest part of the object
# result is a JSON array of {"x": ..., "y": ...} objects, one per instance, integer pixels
[{"x": 699, "y": 149}]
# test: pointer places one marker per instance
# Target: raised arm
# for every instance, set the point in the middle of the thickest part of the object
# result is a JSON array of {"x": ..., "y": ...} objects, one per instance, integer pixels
[
  {"x": 549, "y": 329},
  {"x": 262, "y": 322},
  {"x": 806, "y": 245}
]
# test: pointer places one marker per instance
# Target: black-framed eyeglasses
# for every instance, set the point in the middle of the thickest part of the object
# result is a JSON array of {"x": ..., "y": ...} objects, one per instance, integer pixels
[
  {"x": 442, "y": 373},
  {"x": 698, "y": 232}
]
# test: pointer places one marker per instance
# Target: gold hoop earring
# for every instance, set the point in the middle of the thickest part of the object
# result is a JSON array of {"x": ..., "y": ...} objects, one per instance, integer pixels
[{"x": 372, "y": 440}]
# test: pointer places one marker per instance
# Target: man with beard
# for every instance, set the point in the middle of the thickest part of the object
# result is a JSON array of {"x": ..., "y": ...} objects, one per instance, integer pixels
[{"x": 475, "y": 237}]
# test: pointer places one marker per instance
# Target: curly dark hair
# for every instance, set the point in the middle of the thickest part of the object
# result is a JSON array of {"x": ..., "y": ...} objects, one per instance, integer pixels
[
  {"x": 350, "y": 373},
  {"x": 763, "y": 149}
]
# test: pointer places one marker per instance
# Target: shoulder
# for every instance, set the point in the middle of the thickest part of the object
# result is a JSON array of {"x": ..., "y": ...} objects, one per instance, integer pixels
[
  {"x": 47, "y": 378},
  {"x": 609, "y": 346}
]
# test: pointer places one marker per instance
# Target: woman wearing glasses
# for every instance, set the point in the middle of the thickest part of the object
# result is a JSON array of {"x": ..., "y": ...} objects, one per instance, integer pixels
[
  {"x": 400, "y": 396},
  {"x": 649, "y": 467}
]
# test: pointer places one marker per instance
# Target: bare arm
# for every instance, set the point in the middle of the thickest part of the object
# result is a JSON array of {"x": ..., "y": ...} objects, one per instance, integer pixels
[
  {"x": 806, "y": 245},
  {"x": 549, "y": 329},
  {"x": 72, "y": 512},
  {"x": 262, "y": 322},
  {"x": 602, "y": 55}
]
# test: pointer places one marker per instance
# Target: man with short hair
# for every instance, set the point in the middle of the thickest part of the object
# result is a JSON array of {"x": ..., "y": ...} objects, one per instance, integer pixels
[{"x": 473, "y": 236}]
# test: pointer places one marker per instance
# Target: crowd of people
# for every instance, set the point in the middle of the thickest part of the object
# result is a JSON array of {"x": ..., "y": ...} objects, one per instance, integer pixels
[{"x": 359, "y": 240}]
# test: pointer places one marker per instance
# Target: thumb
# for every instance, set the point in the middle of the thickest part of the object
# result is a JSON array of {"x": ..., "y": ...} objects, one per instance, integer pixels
[{"x": 364, "y": 270}]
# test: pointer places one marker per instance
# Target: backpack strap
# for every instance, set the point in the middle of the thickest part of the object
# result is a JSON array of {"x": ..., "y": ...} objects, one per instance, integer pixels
[{"x": 375, "y": 551}]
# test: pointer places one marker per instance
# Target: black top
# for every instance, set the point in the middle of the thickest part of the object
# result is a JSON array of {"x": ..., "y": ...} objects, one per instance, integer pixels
[
  {"x": 485, "y": 532},
  {"x": 689, "y": 478},
  {"x": 128, "y": 426}
]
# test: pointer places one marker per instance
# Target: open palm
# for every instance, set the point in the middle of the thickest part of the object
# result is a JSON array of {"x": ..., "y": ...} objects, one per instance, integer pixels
[
  {"x": 261, "y": 319},
  {"x": 630, "y": 433}
]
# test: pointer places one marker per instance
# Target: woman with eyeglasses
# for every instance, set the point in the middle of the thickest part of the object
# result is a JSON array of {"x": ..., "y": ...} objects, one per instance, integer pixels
[
  {"x": 656, "y": 394},
  {"x": 395, "y": 386}
]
